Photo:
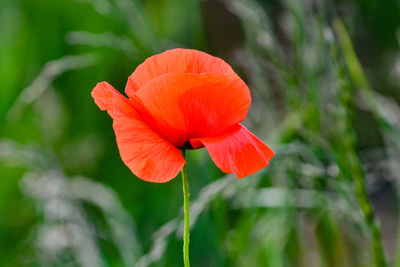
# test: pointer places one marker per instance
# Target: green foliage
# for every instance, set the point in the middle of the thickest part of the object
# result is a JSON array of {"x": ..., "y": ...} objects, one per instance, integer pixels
[{"x": 66, "y": 199}]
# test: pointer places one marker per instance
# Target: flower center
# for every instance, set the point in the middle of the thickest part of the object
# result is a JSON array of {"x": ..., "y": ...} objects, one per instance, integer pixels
[{"x": 187, "y": 145}]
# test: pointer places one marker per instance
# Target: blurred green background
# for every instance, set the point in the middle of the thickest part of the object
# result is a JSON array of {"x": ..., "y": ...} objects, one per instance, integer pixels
[{"x": 325, "y": 80}]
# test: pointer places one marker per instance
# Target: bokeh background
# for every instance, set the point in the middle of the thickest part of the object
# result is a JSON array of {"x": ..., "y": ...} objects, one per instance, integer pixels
[{"x": 325, "y": 82}]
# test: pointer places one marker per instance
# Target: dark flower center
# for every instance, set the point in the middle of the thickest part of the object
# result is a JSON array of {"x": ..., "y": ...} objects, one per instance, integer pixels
[{"x": 187, "y": 145}]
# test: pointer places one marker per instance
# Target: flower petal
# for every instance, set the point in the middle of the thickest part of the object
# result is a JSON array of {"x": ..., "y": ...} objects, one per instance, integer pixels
[
  {"x": 185, "y": 106},
  {"x": 104, "y": 94},
  {"x": 238, "y": 151},
  {"x": 147, "y": 155},
  {"x": 175, "y": 61},
  {"x": 145, "y": 152}
]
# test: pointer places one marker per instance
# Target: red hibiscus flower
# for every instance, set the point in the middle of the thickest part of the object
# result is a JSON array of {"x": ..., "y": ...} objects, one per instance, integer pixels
[{"x": 182, "y": 99}]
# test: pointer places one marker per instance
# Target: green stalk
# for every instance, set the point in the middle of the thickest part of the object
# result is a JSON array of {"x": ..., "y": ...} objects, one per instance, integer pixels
[
  {"x": 357, "y": 76},
  {"x": 186, "y": 206}
]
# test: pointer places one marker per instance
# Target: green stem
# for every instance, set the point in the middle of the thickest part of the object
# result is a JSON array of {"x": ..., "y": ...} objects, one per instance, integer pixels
[
  {"x": 361, "y": 193},
  {"x": 185, "y": 184},
  {"x": 357, "y": 76}
]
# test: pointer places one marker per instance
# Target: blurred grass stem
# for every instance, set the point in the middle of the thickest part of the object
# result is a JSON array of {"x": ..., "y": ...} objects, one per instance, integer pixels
[
  {"x": 358, "y": 78},
  {"x": 186, "y": 206}
]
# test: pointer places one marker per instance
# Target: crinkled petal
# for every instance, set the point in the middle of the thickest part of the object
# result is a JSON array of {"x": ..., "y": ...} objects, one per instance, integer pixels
[
  {"x": 237, "y": 151},
  {"x": 104, "y": 94},
  {"x": 185, "y": 106},
  {"x": 175, "y": 61},
  {"x": 145, "y": 152}
]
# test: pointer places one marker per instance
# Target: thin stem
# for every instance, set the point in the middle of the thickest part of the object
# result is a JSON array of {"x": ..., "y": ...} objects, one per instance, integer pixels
[
  {"x": 356, "y": 74},
  {"x": 368, "y": 211},
  {"x": 185, "y": 184}
]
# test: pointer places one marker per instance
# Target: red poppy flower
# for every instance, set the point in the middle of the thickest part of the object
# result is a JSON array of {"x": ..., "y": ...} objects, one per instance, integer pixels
[{"x": 182, "y": 99}]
